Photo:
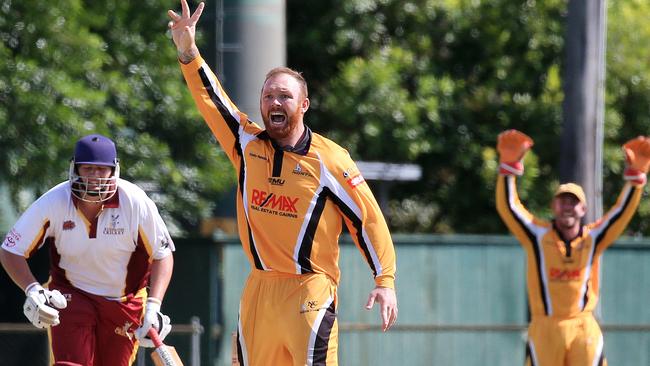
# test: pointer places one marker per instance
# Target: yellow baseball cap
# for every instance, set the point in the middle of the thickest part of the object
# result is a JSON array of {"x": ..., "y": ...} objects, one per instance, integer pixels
[{"x": 573, "y": 189}]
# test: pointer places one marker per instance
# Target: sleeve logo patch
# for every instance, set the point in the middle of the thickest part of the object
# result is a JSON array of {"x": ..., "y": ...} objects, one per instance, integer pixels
[
  {"x": 353, "y": 182},
  {"x": 12, "y": 238}
]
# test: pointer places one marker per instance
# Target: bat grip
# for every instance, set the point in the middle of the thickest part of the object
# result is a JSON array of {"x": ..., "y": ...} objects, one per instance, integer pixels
[{"x": 153, "y": 334}]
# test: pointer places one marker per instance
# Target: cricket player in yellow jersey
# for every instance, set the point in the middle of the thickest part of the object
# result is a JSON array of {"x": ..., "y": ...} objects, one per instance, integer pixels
[
  {"x": 563, "y": 255},
  {"x": 296, "y": 188}
]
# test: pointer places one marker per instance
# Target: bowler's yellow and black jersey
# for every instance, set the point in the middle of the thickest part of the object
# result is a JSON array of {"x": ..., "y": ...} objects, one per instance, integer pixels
[
  {"x": 563, "y": 276},
  {"x": 291, "y": 205}
]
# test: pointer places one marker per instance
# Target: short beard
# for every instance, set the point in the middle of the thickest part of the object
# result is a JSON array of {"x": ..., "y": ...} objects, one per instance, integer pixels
[{"x": 283, "y": 133}]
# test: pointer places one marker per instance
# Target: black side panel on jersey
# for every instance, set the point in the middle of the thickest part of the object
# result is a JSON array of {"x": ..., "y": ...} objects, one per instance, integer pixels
[
  {"x": 358, "y": 227},
  {"x": 304, "y": 253},
  {"x": 534, "y": 243}
]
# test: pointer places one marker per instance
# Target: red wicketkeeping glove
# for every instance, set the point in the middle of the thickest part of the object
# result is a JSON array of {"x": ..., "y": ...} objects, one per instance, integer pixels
[
  {"x": 637, "y": 158},
  {"x": 512, "y": 145}
]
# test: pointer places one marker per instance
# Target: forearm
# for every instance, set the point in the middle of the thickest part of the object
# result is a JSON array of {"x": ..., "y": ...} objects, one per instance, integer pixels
[
  {"x": 17, "y": 268},
  {"x": 161, "y": 274}
]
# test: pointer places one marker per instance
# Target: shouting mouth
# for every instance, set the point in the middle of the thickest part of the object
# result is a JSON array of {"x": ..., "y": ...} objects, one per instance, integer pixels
[{"x": 277, "y": 118}]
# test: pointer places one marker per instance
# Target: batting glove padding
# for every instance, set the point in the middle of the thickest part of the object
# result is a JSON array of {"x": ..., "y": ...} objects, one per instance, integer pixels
[
  {"x": 512, "y": 145},
  {"x": 41, "y": 305},
  {"x": 637, "y": 158},
  {"x": 153, "y": 318}
]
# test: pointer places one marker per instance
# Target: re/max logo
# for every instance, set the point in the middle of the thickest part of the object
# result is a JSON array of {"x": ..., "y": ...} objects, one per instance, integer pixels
[
  {"x": 558, "y": 274},
  {"x": 274, "y": 201}
]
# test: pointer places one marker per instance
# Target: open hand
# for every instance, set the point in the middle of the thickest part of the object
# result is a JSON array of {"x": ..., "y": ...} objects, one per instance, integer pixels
[{"x": 183, "y": 28}]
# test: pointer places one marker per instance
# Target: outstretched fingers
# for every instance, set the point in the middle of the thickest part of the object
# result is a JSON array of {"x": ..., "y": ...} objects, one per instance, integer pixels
[
  {"x": 197, "y": 13},
  {"x": 185, "y": 9}
]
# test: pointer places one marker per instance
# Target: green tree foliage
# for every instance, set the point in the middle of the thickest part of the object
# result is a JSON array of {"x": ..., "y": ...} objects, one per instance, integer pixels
[
  {"x": 433, "y": 82},
  {"x": 74, "y": 67}
]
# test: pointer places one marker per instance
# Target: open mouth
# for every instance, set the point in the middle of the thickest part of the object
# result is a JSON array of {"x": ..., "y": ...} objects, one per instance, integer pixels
[{"x": 277, "y": 118}]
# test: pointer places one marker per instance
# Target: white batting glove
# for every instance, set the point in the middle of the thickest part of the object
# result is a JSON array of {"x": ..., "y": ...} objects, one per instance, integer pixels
[
  {"x": 153, "y": 318},
  {"x": 41, "y": 305}
]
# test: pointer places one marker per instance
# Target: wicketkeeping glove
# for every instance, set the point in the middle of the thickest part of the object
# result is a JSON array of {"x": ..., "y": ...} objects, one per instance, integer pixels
[
  {"x": 637, "y": 158},
  {"x": 153, "y": 318},
  {"x": 512, "y": 145},
  {"x": 41, "y": 305}
]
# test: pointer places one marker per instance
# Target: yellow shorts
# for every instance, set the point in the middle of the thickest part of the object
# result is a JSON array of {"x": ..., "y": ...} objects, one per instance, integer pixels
[
  {"x": 565, "y": 342},
  {"x": 287, "y": 319}
]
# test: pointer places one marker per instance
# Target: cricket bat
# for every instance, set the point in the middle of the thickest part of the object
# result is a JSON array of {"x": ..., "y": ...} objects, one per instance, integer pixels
[{"x": 163, "y": 355}]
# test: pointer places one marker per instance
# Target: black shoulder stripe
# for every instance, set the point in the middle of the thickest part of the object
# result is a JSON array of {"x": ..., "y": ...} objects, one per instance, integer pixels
[
  {"x": 615, "y": 218},
  {"x": 231, "y": 122}
]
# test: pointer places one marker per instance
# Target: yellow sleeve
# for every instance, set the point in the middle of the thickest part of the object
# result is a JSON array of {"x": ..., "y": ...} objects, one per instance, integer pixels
[
  {"x": 609, "y": 227},
  {"x": 226, "y": 122},
  {"x": 363, "y": 218},
  {"x": 515, "y": 216}
]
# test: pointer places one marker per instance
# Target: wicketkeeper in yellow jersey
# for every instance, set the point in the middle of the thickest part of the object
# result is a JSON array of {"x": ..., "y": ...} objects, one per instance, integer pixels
[
  {"x": 296, "y": 189},
  {"x": 563, "y": 255}
]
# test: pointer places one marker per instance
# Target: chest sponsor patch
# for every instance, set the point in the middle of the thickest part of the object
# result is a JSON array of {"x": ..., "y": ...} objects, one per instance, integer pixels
[
  {"x": 563, "y": 274},
  {"x": 275, "y": 204},
  {"x": 276, "y": 181}
]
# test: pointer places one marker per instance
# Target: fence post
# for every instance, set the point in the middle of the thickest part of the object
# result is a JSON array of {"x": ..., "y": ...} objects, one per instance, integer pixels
[{"x": 197, "y": 329}]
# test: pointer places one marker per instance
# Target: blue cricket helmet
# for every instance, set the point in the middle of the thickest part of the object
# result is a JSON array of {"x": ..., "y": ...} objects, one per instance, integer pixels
[{"x": 95, "y": 149}]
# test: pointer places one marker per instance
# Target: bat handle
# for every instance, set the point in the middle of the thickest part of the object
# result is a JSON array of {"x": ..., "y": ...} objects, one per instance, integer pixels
[{"x": 153, "y": 334}]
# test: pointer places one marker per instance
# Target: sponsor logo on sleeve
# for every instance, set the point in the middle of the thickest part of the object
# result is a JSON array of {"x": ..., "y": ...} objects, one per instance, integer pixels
[
  {"x": 354, "y": 181},
  {"x": 351, "y": 171},
  {"x": 12, "y": 238}
]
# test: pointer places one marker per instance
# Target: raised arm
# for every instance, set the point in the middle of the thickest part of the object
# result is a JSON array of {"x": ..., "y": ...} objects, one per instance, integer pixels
[
  {"x": 222, "y": 116},
  {"x": 613, "y": 223},
  {"x": 512, "y": 146}
]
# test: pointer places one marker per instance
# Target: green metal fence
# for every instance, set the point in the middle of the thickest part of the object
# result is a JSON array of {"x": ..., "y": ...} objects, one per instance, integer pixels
[{"x": 462, "y": 301}]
